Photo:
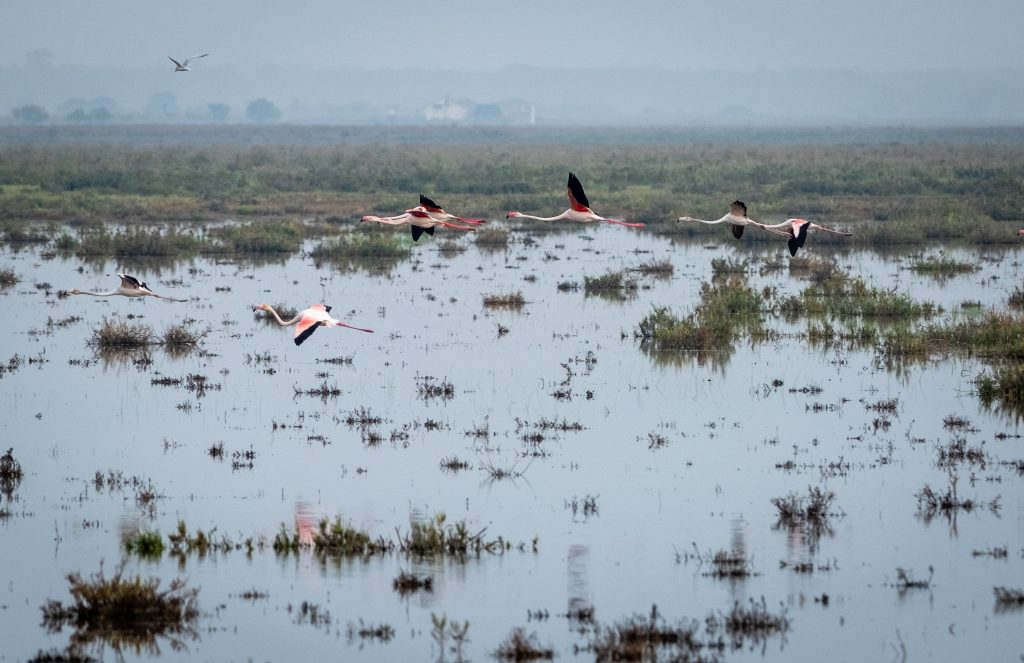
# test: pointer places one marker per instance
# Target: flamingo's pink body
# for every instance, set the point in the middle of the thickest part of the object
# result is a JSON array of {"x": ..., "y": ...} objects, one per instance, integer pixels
[
  {"x": 307, "y": 321},
  {"x": 579, "y": 209}
]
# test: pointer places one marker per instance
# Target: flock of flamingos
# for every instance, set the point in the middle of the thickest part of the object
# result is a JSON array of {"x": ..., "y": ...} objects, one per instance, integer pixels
[{"x": 428, "y": 215}]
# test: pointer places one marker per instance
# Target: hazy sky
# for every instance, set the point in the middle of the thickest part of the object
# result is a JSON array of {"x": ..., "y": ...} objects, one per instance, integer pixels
[{"x": 738, "y": 35}]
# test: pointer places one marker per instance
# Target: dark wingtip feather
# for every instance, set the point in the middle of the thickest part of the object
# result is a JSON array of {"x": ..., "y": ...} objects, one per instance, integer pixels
[
  {"x": 306, "y": 334},
  {"x": 427, "y": 202},
  {"x": 576, "y": 190}
]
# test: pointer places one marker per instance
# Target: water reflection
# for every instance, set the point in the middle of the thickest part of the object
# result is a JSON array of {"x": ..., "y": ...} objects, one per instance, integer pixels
[{"x": 580, "y": 609}]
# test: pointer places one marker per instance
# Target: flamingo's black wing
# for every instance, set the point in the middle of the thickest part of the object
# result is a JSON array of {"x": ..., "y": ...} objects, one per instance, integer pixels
[
  {"x": 737, "y": 231},
  {"x": 130, "y": 281},
  {"x": 306, "y": 333},
  {"x": 429, "y": 204},
  {"x": 577, "y": 198},
  {"x": 797, "y": 240}
]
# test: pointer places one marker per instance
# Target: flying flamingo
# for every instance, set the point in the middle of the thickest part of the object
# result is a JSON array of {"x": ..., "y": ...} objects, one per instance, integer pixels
[
  {"x": 130, "y": 287},
  {"x": 183, "y": 66},
  {"x": 736, "y": 218},
  {"x": 317, "y": 315},
  {"x": 579, "y": 209},
  {"x": 796, "y": 230},
  {"x": 438, "y": 214},
  {"x": 417, "y": 218}
]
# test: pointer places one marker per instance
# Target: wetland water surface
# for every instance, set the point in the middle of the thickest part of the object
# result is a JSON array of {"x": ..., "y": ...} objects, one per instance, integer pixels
[{"x": 613, "y": 472}]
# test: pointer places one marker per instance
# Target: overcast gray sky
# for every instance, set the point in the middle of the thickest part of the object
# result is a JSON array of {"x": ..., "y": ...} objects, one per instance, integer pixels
[{"x": 737, "y": 35}]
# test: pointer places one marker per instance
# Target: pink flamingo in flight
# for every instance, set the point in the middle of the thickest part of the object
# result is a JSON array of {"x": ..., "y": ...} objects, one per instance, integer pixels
[
  {"x": 317, "y": 315},
  {"x": 579, "y": 209},
  {"x": 796, "y": 230},
  {"x": 424, "y": 218}
]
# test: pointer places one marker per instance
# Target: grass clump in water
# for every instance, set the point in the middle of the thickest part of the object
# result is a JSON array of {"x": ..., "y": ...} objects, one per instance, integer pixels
[
  {"x": 117, "y": 334},
  {"x": 10, "y": 474},
  {"x": 612, "y": 284},
  {"x": 333, "y": 538},
  {"x": 1005, "y": 385},
  {"x": 512, "y": 300},
  {"x": 125, "y": 612},
  {"x": 519, "y": 646},
  {"x": 754, "y": 621},
  {"x": 492, "y": 238},
  {"x": 997, "y": 335},
  {"x": 842, "y": 296},
  {"x": 374, "y": 252},
  {"x": 725, "y": 306},
  {"x": 940, "y": 267},
  {"x": 724, "y": 267},
  {"x": 367, "y": 246},
  {"x": 811, "y": 513},
  {"x": 257, "y": 238},
  {"x": 138, "y": 242},
  {"x": 8, "y": 277},
  {"x": 407, "y": 583},
  {"x": 145, "y": 544},
  {"x": 1007, "y": 598},
  {"x": 946, "y": 503},
  {"x": 732, "y": 564},
  {"x": 180, "y": 338},
  {"x": 434, "y": 537},
  {"x": 1016, "y": 298},
  {"x": 656, "y": 268}
]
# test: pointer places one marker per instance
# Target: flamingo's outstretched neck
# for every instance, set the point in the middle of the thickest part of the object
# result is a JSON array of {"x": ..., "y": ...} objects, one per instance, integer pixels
[
  {"x": 76, "y": 291},
  {"x": 268, "y": 307},
  {"x": 520, "y": 215}
]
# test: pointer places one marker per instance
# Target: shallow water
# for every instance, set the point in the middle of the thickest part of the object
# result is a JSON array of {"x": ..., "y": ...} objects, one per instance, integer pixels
[{"x": 727, "y": 432}]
